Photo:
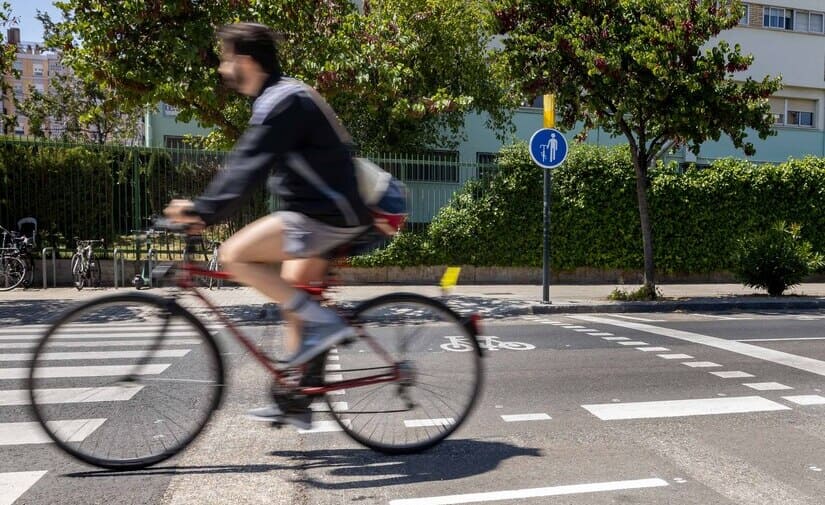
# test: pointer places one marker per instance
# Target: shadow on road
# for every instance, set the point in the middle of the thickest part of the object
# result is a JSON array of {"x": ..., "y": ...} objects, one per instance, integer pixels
[{"x": 363, "y": 468}]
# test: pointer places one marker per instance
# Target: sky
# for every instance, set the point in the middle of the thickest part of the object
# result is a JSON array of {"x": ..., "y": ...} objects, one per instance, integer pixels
[{"x": 24, "y": 10}]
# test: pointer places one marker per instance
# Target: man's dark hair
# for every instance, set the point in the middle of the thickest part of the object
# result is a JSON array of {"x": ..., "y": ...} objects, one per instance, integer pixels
[{"x": 254, "y": 40}]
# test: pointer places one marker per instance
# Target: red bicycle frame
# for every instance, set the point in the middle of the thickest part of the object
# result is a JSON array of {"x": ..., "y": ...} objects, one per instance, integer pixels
[{"x": 183, "y": 279}]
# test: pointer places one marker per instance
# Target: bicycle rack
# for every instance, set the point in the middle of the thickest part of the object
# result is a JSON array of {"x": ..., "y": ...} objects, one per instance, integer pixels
[
  {"x": 117, "y": 253},
  {"x": 150, "y": 258},
  {"x": 54, "y": 267}
]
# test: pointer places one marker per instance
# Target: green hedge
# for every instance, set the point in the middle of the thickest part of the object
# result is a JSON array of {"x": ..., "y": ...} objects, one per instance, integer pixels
[
  {"x": 698, "y": 215},
  {"x": 94, "y": 191}
]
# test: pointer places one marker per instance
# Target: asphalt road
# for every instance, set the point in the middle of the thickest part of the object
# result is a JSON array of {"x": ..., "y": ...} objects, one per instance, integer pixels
[{"x": 724, "y": 408}]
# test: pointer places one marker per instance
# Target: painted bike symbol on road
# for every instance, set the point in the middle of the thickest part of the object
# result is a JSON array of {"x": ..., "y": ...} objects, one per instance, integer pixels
[{"x": 490, "y": 343}]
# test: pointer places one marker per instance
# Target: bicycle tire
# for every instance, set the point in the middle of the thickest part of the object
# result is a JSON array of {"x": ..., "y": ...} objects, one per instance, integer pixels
[
  {"x": 94, "y": 272},
  {"x": 129, "y": 420},
  {"x": 12, "y": 272},
  {"x": 400, "y": 404},
  {"x": 28, "y": 261},
  {"x": 78, "y": 275}
]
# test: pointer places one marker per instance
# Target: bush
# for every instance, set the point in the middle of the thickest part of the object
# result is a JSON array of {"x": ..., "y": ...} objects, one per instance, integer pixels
[
  {"x": 775, "y": 259},
  {"x": 644, "y": 293}
]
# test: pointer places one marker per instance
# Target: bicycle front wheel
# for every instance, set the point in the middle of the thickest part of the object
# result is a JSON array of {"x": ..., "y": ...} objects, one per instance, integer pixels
[
  {"x": 436, "y": 389},
  {"x": 12, "y": 272},
  {"x": 78, "y": 275},
  {"x": 125, "y": 381}
]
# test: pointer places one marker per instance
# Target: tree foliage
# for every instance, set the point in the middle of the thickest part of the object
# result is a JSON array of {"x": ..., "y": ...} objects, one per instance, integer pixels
[
  {"x": 7, "y": 57},
  {"x": 402, "y": 74},
  {"x": 643, "y": 69},
  {"x": 78, "y": 111}
]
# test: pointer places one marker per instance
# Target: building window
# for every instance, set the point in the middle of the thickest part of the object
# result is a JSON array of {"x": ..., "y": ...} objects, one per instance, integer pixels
[
  {"x": 426, "y": 166},
  {"x": 809, "y": 22},
  {"x": 487, "y": 164},
  {"x": 18, "y": 90},
  {"x": 744, "y": 20},
  {"x": 18, "y": 65},
  {"x": 174, "y": 142},
  {"x": 797, "y": 118},
  {"x": 37, "y": 69},
  {"x": 775, "y": 17}
]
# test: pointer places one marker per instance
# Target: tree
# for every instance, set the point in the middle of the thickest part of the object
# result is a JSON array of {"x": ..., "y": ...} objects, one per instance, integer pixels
[
  {"x": 8, "y": 53},
  {"x": 642, "y": 69},
  {"x": 402, "y": 74},
  {"x": 79, "y": 111}
]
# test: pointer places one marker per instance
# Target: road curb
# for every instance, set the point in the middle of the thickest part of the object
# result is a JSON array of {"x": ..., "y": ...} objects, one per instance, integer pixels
[{"x": 670, "y": 306}]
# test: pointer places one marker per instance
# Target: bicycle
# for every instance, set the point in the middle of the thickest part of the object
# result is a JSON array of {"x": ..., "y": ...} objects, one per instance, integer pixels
[
  {"x": 393, "y": 390},
  {"x": 16, "y": 261},
  {"x": 85, "y": 266}
]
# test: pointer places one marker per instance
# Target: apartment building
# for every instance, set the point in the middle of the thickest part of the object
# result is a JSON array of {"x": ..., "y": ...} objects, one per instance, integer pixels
[{"x": 36, "y": 66}]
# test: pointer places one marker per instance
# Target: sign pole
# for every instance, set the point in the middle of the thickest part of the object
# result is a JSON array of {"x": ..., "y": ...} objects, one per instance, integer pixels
[{"x": 549, "y": 122}]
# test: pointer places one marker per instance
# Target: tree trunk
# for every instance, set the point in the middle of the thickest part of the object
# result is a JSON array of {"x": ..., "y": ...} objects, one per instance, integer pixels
[{"x": 647, "y": 231}]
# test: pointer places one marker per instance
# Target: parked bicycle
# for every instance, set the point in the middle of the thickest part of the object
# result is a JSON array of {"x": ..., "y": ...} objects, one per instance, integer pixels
[
  {"x": 393, "y": 389},
  {"x": 85, "y": 265},
  {"x": 16, "y": 260}
]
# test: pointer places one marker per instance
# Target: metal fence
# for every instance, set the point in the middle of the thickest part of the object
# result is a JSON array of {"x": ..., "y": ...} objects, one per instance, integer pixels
[{"x": 100, "y": 191}]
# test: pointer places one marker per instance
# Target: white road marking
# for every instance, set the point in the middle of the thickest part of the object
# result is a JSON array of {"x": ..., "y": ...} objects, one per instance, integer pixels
[
  {"x": 74, "y": 430},
  {"x": 516, "y": 494},
  {"x": 632, "y": 342},
  {"x": 333, "y": 367},
  {"x": 58, "y": 356},
  {"x": 680, "y": 408},
  {"x": 778, "y": 339},
  {"x": 632, "y": 318},
  {"x": 334, "y": 377},
  {"x": 122, "y": 343},
  {"x": 55, "y": 372},
  {"x": 323, "y": 427},
  {"x": 14, "y": 484},
  {"x": 423, "y": 423},
  {"x": 806, "y": 399},
  {"x": 724, "y": 318},
  {"x": 601, "y": 334},
  {"x": 781, "y": 358},
  {"x": 69, "y": 395},
  {"x": 675, "y": 356},
  {"x": 323, "y": 407},
  {"x": 573, "y": 327},
  {"x": 767, "y": 386},
  {"x": 334, "y": 358},
  {"x": 732, "y": 375},
  {"x": 137, "y": 333},
  {"x": 615, "y": 339},
  {"x": 512, "y": 418},
  {"x": 701, "y": 364},
  {"x": 585, "y": 330},
  {"x": 653, "y": 349}
]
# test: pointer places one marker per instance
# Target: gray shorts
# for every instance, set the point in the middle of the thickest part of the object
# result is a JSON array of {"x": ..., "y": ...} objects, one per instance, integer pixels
[{"x": 305, "y": 237}]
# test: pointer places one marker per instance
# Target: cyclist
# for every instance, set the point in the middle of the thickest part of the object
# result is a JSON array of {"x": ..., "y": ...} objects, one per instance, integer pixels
[{"x": 294, "y": 132}]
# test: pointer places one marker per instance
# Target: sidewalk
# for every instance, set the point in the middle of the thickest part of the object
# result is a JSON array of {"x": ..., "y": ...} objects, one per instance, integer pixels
[{"x": 488, "y": 300}]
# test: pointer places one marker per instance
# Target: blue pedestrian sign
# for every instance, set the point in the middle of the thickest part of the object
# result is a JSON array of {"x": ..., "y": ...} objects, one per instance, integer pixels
[{"x": 548, "y": 148}]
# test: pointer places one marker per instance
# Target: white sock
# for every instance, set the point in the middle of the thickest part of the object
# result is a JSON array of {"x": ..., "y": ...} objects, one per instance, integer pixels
[{"x": 308, "y": 309}]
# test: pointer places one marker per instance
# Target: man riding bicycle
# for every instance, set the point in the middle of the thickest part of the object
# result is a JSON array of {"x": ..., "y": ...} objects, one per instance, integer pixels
[{"x": 295, "y": 132}]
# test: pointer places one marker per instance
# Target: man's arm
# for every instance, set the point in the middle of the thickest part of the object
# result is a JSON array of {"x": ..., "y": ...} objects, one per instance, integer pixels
[{"x": 250, "y": 161}]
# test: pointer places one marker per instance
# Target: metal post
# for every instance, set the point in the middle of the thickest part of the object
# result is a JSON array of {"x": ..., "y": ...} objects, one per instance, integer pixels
[
  {"x": 150, "y": 258},
  {"x": 117, "y": 253},
  {"x": 54, "y": 267},
  {"x": 545, "y": 297}
]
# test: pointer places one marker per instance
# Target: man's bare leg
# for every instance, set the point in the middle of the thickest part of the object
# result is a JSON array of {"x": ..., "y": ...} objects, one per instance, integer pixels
[{"x": 303, "y": 271}]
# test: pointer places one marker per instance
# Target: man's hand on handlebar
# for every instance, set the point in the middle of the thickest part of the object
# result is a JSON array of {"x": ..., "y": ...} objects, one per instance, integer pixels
[{"x": 183, "y": 211}]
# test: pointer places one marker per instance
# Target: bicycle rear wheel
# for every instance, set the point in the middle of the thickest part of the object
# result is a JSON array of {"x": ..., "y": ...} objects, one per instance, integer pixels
[
  {"x": 12, "y": 272},
  {"x": 437, "y": 390},
  {"x": 125, "y": 381}
]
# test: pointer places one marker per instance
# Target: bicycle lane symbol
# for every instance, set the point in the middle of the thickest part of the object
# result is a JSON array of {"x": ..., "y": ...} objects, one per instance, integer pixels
[{"x": 487, "y": 342}]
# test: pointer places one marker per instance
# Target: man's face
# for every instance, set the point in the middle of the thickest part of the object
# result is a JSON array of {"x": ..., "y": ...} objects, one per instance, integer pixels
[{"x": 233, "y": 68}]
